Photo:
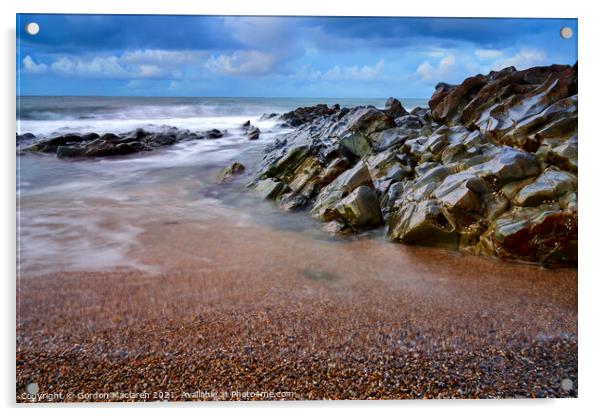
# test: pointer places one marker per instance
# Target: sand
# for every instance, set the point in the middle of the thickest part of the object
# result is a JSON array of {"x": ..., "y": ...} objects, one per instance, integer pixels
[{"x": 248, "y": 312}]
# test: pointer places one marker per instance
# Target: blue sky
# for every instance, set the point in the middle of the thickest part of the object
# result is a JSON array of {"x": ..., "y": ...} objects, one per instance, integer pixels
[{"x": 275, "y": 56}]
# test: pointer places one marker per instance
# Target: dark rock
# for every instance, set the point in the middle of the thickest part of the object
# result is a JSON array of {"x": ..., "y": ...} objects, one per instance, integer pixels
[
  {"x": 394, "y": 109},
  {"x": 253, "y": 133},
  {"x": 214, "y": 134},
  {"x": 25, "y": 136},
  {"x": 70, "y": 151},
  {"x": 230, "y": 172},
  {"x": 354, "y": 145},
  {"x": 360, "y": 209},
  {"x": 304, "y": 115}
]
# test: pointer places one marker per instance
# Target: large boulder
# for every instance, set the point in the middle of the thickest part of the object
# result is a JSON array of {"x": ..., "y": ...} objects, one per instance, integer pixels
[
  {"x": 545, "y": 234},
  {"x": 360, "y": 209},
  {"x": 324, "y": 206}
]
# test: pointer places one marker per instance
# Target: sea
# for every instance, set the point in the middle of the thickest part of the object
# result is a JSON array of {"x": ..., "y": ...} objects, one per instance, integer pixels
[{"x": 89, "y": 214}]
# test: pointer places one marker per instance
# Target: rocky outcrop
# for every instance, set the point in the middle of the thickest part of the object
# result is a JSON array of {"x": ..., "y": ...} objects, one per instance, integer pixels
[
  {"x": 110, "y": 144},
  {"x": 230, "y": 172},
  {"x": 519, "y": 108},
  {"x": 490, "y": 168},
  {"x": 304, "y": 115}
]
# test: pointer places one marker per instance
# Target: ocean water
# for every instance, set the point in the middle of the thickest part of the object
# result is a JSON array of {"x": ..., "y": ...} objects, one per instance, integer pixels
[
  {"x": 92, "y": 214},
  {"x": 55, "y": 115}
]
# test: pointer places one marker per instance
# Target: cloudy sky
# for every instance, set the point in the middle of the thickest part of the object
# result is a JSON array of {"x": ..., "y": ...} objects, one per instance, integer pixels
[{"x": 275, "y": 56}]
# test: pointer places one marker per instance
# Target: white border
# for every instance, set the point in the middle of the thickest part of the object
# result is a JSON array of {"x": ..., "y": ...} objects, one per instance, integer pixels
[{"x": 590, "y": 371}]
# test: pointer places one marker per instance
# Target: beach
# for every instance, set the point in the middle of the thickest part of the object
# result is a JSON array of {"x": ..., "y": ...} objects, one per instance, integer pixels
[{"x": 141, "y": 278}]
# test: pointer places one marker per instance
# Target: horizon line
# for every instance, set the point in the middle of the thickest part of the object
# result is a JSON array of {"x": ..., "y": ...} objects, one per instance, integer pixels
[{"x": 215, "y": 96}]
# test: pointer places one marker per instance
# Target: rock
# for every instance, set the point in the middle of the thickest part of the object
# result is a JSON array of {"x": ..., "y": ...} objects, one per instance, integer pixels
[
  {"x": 367, "y": 120},
  {"x": 304, "y": 115},
  {"x": 269, "y": 188},
  {"x": 70, "y": 151},
  {"x": 507, "y": 164},
  {"x": 336, "y": 228},
  {"x": 343, "y": 185},
  {"x": 544, "y": 234},
  {"x": 253, "y": 133},
  {"x": 360, "y": 208},
  {"x": 292, "y": 202},
  {"x": 515, "y": 107},
  {"x": 230, "y": 172},
  {"x": 409, "y": 122},
  {"x": 287, "y": 163},
  {"x": 246, "y": 124},
  {"x": 564, "y": 155},
  {"x": 424, "y": 223},
  {"x": 354, "y": 145},
  {"x": 214, "y": 134},
  {"x": 394, "y": 109},
  {"x": 491, "y": 168},
  {"x": 388, "y": 138},
  {"x": 25, "y": 137},
  {"x": 550, "y": 186}
]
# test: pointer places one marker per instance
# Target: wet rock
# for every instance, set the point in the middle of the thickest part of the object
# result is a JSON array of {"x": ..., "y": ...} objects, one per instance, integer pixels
[
  {"x": 545, "y": 234},
  {"x": 269, "y": 188},
  {"x": 292, "y": 202},
  {"x": 394, "y": 109},
  {"x": 424, "y": 223},
  {"x": 550, "y": 186},
  {"x": 25, "y": 137},
  {"x": 253, "y": 133},
  {"x": 491, "y": 168},
  {"x": 354, "y": 145},
  {"x": 360, "y": 208},
  {"x": 337, "y": 228},
  {"x": 507, "y": 164},
  {"x": 286, "y": 163},
  {"x": 304, "y": 115},
  {"x": 343, "y": 185},
  {"x": 518, "y": 108},
  {"x": 388, "y": 138},
  {"x": 230, "y": 172},
  {"x": 70, "y": 151},
  {"x": 409, "y": 122},
  {"x": 563, "y": 155},
  {"x": 214, "y": 134},
  {"x": 367, "y": 120},
  {"x": 246, "y": 125}
]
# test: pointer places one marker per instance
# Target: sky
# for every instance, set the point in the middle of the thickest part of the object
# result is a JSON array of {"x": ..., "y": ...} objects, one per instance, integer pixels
[{"x": 237, "y": 56}]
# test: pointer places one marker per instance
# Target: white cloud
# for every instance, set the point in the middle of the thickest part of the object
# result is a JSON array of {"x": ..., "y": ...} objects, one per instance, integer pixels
[
  {"x": 108, "y": 67},
  {"x": 484, "y": 54},
  {"x": 146, "y": 63},
  {"x": 525, "y": 58},
  {"x": 31, "y": 67},
  {"x": 163, "y": 58},
  {"x": 241, "y": 63},
  {"x": 446, "y": 69},
  {"x": 354, "y": 73}
]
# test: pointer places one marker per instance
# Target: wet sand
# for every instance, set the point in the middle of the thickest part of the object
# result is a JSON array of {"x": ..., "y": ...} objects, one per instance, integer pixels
[{"x": 225, "y": 310}]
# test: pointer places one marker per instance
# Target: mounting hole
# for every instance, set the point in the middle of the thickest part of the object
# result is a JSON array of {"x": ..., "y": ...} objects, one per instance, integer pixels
[
  {"x": 566, "y": 32},
  {"x": 32, "y": 28},
  {"x": 567, "y": 384},
  {"x": 32, "y": 388}
]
